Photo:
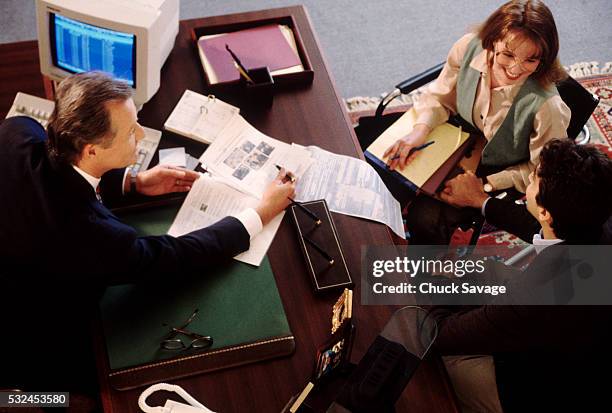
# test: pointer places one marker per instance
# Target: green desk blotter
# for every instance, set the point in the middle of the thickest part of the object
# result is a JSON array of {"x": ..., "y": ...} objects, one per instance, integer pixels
[{"x": 239, "y": 306}]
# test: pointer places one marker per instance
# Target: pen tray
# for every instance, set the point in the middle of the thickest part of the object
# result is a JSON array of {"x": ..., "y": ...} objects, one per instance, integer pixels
[
  {"x": 324, "y": 277},
  {"x": 303, "y": 77}
]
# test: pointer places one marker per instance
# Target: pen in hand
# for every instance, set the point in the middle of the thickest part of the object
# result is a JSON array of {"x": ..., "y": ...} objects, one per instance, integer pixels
[
  {"x": 413, "y": 150},
  {"x": 288, "y": 174}
]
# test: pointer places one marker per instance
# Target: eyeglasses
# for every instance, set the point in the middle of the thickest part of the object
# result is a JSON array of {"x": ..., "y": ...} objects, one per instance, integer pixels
[
  {"x": 198, "y": 341},
  {"x": 507, "y": 58}
]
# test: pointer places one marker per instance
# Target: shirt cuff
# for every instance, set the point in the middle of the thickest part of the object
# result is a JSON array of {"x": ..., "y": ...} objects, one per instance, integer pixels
[
  {"x": 125, "y": 176},
  {"x": 484, "y": 205},
  {"x": 251, "y": 221}
]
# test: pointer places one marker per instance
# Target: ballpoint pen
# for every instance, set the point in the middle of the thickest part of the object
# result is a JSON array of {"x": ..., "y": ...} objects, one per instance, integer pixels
[
  {"x": 306, "y": 210},
  {"x": 321, "y": 250},
  {"x": 239, "y": 65},
  {"x": 413, "y": 150}
]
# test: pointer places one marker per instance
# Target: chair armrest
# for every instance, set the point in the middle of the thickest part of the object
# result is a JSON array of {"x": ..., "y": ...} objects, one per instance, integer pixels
[{"x": 409, "y": 85}]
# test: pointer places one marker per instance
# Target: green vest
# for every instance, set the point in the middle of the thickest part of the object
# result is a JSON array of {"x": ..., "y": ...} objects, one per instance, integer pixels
[{"x": 510, "y": 144}]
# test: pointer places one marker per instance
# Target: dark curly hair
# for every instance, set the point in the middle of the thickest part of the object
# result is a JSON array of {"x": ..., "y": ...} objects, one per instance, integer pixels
[{"x": 576, "y": 188}]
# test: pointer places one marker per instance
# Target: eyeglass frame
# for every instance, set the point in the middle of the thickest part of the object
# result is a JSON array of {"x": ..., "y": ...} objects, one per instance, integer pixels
[
  {"x": 516, "y": 61},
  {"x": 206, "y": 341},
  {"x": 170, "y": 338}
]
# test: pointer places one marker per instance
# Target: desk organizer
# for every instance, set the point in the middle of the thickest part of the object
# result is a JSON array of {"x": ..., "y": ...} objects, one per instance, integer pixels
[
  {"x": 324, "y": 276},
  {"x": 304, "y": 77}
]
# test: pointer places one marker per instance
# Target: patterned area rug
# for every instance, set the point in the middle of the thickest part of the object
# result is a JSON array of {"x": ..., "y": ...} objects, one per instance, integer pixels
[{"x": 595, "y": 78}]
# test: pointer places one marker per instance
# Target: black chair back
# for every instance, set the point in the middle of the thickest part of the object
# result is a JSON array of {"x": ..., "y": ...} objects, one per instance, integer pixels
[{"x": 580, "y": 101}]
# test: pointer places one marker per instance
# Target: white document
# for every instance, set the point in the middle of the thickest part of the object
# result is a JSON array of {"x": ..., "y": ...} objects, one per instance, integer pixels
[
  {"x": 210, "y": 200},
  {"x": 200, "y": 117},
  {"x": 173, "y": 157},
  {"x": 350, "y": 186},
  {"x": 248, "y": 158}
]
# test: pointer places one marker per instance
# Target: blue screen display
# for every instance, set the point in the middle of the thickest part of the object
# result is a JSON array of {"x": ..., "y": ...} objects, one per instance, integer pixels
[{"x": 79, "y": 47}]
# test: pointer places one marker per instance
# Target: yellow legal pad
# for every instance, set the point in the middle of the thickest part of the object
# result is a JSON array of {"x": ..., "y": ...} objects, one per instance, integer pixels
[{"x": 448, "y": 139}]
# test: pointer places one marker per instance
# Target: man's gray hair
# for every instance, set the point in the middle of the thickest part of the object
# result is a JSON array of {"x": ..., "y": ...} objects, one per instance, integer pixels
[{"x": 81, "y": 114}]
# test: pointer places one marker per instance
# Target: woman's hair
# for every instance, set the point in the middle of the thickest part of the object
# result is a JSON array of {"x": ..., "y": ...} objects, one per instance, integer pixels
[{"x": 530, "y": 19}]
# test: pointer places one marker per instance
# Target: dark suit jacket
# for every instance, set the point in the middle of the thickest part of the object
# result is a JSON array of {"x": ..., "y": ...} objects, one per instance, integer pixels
[
  {"x": 547, "y": 358},
  {"x": 516, "y": 219},
  {"x": 61, "y": 246}
]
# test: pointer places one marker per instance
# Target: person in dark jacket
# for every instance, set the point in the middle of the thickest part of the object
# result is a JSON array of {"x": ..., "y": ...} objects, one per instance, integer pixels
[
  {"x": 537, "y": 358},
  {"x": 61, "y": 245}
]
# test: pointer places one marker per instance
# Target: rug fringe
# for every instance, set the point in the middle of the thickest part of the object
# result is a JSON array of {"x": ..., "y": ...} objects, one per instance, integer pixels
[
  {"x": 585, "y": 69},
  {"x": 365, "y": 103}
]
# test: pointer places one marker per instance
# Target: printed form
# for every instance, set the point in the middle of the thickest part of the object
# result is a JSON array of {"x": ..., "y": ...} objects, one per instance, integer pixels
[{"x": 350, "y": 186}]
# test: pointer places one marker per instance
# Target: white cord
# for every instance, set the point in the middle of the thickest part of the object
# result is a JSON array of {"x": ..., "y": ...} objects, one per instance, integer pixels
[{"x": 142, "y": 400}]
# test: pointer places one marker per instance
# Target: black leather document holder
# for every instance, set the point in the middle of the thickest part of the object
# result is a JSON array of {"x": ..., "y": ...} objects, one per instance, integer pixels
[{"x": 320, "y": 245}]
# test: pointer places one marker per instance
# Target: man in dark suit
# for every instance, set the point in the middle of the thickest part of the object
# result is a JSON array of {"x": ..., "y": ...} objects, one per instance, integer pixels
[
  {"x": 61, "y": 244},
  {"x": 536, "y": 358},
  {"x": 466, "y": 191}
]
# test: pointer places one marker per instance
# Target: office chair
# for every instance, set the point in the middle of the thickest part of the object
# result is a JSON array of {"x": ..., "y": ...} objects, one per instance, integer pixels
[{"x": 580, "y": 101}]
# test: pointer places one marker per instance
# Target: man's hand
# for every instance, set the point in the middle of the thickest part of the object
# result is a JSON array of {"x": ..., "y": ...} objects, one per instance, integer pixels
[
  {"x": 276, "y": 197},
  {"x": 163, "y": 179},
  {"x": 465, "y": 190},
  {"x": 398, "y": 155}
]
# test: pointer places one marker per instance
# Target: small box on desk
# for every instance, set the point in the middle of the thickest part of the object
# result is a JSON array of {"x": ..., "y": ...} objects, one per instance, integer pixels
[
  {"x": 282, "y": 77},
  {"x": 320, "y": 245},
  {"x": 261, "y": 90}
]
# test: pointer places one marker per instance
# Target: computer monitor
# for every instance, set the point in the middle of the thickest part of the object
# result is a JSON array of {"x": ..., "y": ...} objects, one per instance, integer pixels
[{"x": 131, "y": 40}]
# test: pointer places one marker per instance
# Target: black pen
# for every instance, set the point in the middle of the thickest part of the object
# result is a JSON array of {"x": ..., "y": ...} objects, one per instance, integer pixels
[
  {"x": 321, "y": 250},
  {"x": 306, "y": 210},
  {"x": 239, "y": 65},
  {"x": 413, "y": 150}
]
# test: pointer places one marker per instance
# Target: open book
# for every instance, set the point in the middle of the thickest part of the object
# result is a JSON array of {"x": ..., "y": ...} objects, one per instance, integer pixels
[
  {"x": 200, "y": 117},
  {"x": 422, "y": 173}
]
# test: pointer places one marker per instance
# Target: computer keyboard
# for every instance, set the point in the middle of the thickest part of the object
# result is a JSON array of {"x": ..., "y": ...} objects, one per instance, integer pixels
[
  {"x": 40, "y": 110},
  {"x": 37, "y": 108}
]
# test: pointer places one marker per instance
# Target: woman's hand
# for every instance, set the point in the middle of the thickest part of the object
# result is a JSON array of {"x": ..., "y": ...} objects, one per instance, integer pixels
[{"x": 398, "y": 154}]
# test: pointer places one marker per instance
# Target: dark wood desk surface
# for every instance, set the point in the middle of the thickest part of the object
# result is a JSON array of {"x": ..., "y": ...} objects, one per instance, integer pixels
[{"x": 308, "y": 115}]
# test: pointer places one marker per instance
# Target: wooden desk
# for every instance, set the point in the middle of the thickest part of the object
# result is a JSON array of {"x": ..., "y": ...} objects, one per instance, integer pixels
[{"x": 310, "y": 115}]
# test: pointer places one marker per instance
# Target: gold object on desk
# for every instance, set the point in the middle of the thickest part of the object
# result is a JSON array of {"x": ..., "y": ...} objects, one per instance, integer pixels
[{"x": 342, "y": 310}]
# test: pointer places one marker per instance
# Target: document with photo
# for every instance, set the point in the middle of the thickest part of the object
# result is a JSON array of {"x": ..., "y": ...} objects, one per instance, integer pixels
[
  {"x": 249, "y": 158},
  {"x": 211, "y": 199}
]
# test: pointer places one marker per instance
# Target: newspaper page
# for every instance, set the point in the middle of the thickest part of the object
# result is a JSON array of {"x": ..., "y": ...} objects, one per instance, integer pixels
[
  {"x": 249, "y": 158},
  {"x": 210, "y": 200},
  {"x": 350, "y": 186}
]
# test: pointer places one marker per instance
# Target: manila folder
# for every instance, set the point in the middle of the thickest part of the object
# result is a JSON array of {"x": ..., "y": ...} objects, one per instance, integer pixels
[{"x": 448, "y": 139}]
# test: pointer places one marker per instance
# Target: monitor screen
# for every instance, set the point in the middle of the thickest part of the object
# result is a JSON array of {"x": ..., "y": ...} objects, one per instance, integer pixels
[{"x": 79, "y": 47}]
